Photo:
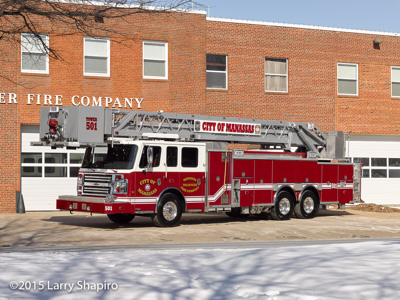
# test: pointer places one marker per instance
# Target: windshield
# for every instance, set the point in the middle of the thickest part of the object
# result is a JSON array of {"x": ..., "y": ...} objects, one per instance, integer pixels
[{"x": 117, "y": 157}]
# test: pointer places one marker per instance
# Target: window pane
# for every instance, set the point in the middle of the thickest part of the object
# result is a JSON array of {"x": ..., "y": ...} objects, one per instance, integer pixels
[
  {"x": 73, "y": 171},
  {"x": 394, "y": 162},
  {"x": 154, "y": 51},
  {"x": 216, "y": 80},
  {"x": 96, "y": 65},
  {"x": 379, "y": 173},
  {"x": 365, "y": 173},
  {"x": 55, "y": 158},
  {"x": 362, "y": 160},
  {"x": 55, "y": 172},
  {"x": 395, "y": 89},
  {"x": 347, "y": 72},
  {"x": 31, "y": 172},
  {"x": 396, "y": 74},
  {"x": 96, "y": 47},
  {"x": 189, "y": 157},
  {"x": 348, "y": 87},
  {"x": 378, "y": 162},
  {"x": 30, "y": 43},
  {"x": 394, "y": 173},
  {"x": 275, "y": 66},
  {"x": 76, "y": 158},
  {"x": 31, "y": 158},
  {"x": 34, "y": 61},
  {"x": 216, "y": 62},
  {"x": 156, "y": 157},
  {"x": 154, "y": 68},
  {"x": 172, "y": 156},
  {"x": 275, "y": 83}
]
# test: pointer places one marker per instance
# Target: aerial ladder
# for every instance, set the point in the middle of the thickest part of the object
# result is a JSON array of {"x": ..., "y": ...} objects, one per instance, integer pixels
[{"x": 79, "y": 126}]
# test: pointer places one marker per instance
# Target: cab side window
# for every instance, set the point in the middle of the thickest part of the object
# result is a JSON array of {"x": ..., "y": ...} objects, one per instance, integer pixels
[
  {"x": 156, "y": 157},
  {"x": 172, "y": 156},
  {"x": 190, "y": 157}
]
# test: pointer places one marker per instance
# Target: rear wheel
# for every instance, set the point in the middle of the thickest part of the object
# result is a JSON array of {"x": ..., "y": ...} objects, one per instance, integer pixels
[
  {"x": 284, "y": 206},
  {"x": 169, "y": 211},
  {"x": 121, "y": 218},
  {"x": 308, "y": 206}
]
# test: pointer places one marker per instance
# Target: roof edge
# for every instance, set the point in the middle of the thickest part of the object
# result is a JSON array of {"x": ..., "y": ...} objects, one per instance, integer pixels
[{"x": 311, "y": 27}]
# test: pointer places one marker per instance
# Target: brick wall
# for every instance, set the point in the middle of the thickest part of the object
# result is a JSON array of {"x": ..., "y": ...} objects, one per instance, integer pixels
[{"x": 312, "y": 61}]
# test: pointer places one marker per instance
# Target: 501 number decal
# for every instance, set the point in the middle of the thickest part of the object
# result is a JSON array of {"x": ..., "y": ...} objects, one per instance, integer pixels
[
  {"x": 91, "y": 124},
  {"x": 108, "y": 208}
]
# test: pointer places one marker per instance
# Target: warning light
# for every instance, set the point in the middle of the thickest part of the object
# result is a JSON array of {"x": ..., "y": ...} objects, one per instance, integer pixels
[{"x": 53, "y": 123}]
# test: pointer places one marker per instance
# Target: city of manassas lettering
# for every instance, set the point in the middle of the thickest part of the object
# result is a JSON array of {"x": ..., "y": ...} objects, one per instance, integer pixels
[{"x": 227, "y": 127}]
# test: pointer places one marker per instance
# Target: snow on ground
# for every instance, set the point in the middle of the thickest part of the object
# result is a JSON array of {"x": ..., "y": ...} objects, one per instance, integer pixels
[{"x": 365, "y": 270}]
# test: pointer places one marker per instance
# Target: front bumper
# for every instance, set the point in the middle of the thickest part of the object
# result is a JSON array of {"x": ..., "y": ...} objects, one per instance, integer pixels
[{"x": 93, "y": 205}]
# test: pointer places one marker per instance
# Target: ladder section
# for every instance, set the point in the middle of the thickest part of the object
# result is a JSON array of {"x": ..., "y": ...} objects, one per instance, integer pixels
[
  {"x": 185, "y": 127},
  {"x": 78, "y": 126}
]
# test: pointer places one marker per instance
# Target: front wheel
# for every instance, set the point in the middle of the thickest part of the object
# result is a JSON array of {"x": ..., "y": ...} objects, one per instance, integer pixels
[
  {"x": 121, "y": 218},
  {"x": 169, "y": 211},
  {"x": 308, "y": 206},
  {"x": 284, "y": 206}
]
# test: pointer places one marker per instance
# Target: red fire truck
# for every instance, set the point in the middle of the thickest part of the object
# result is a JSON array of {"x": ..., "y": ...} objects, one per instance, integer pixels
[{"x": 161, "y": 165}]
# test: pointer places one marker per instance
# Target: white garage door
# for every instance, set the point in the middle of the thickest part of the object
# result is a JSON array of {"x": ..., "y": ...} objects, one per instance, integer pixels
[
  {"x": 381, "y": 172},
  {"x": 46, "y": 173}
]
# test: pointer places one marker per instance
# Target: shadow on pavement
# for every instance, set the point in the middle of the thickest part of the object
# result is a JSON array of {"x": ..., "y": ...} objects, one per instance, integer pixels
[{"x": 102, "y": 221}]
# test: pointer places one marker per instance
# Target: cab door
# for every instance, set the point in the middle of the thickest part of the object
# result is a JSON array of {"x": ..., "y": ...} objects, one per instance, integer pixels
[
  {"x": 149, "y": 180},
  {"x": 192, "y": 175}
]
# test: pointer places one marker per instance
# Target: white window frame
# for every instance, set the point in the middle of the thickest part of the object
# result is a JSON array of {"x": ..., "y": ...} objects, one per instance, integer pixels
[
  {"x": 43, "y": 164},
  {"x": 165, "y": 44},
  {"x": 45, "y": 38},
  {"x": 348, "y": 79},
  {"x": 281, "y": 75},
  {"x": 107, "y": 40},
  {"x": 221, "y": 72},
  {"x": 392, "y": 81}
]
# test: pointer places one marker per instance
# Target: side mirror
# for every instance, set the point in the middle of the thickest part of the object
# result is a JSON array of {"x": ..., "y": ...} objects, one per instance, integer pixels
[{"x": 150, "y": 157}]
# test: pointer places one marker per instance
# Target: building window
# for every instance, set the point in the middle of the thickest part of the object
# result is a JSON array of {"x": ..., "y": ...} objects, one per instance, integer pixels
[
  {"x": 347, "y": 75},
  {"x": 34, "y": 55},
  {"x": 379, "y": 167},
  {"x": 155, "y": 60},
  {"x": 276, "y": 75},
  {"x": 395, "y": 81},
  {"x": 217, "y": 71},
  {"x": 96, "y": 57},
  {"x": 54, "y": 164}
]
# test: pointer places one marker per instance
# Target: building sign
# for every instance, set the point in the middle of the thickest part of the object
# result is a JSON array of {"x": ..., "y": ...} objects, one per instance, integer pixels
[
  {"x": 57, "y": 100},
  {"x": 227, "y": 127}
]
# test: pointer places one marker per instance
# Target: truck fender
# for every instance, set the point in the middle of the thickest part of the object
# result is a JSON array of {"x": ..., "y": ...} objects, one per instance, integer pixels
[
  {"x": 309, "y": 187},
  {"x": 175, "y": 191},
  {"x": 287, "y": 188}
]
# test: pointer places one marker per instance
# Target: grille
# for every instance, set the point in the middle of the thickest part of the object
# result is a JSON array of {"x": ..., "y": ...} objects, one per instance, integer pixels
[{"x": 97, "y": 184}]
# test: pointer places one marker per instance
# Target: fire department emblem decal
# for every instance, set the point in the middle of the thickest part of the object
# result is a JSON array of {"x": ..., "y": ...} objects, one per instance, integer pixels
[
  {"x": 197, "y": 125},
  {"x": 147, "y": 187},
  {"x": 257, "y": 129}
]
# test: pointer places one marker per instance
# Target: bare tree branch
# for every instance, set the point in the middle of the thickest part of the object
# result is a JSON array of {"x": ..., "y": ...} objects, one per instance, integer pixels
[{"x": 77, "y": 16}]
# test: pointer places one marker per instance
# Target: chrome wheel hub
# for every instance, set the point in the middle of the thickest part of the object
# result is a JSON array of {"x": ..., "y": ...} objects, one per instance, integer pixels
[
  {"x": 170, "y": 211},
  {"x": 284, "y": 206},
  {"x": 308, "y": 205}
]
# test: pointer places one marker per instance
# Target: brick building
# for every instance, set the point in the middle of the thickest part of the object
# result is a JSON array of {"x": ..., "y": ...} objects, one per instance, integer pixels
[{"x": 184, "y": 62}]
